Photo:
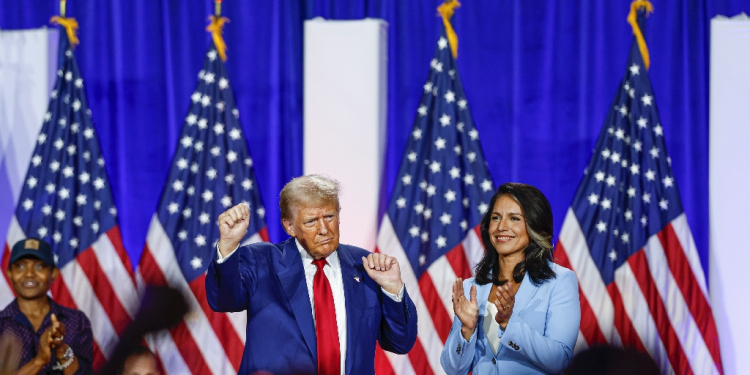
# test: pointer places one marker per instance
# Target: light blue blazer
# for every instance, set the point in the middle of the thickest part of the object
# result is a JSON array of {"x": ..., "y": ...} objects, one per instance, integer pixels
[{"x": 539, "y": 338}]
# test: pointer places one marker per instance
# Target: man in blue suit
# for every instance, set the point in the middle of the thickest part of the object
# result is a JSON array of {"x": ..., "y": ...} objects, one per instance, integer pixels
[{"x": 301, "y": 320}]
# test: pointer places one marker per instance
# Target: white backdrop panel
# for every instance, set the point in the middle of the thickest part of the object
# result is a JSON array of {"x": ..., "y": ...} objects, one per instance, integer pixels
[
  {"x": 345, "y": 89},
  {"x": 28, "y": 63},
  {"x": 729, "y": 180}
]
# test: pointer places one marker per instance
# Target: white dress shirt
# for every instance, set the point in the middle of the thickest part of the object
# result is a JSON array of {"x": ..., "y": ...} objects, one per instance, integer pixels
[
  {"x": 332, "y": 271},
  {"x": 491, "y": 329}
]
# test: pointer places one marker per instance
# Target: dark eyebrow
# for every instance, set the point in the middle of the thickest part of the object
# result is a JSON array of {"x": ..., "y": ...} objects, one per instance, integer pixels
[{"x": 509, "y": 213}]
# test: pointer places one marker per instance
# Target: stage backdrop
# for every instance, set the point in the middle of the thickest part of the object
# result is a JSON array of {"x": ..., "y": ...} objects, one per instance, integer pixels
[
  {"x": 345, "y": 96},
  {"x": 539, "y": 80},
  {"x": 28, "y": 61},
  {"x": 730, "y": 203}
]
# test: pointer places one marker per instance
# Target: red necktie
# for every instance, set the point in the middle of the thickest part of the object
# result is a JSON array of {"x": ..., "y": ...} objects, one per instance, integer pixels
[{"x": 326, "y": 329}]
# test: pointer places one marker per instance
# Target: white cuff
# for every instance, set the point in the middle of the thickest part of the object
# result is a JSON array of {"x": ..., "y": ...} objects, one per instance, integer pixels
[
  {"x": 395, "y": 297},
  {"x": 220, "y": 259}
]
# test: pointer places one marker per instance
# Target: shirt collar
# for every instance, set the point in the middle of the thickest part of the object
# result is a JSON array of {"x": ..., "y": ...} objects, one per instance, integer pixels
[
  {"x": 307, "y": 259},
  {"x": 56, "y": 309},
  {"x": 12, "y": 310}
]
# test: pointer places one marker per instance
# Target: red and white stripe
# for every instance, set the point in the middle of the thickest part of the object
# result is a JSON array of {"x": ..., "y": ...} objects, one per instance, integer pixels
[
  {"x": 205, "y": 342},
  {"x": 99, "y": 282},
  {"x": 658, "y": 302},
  {"x": 432, "y": 297}
]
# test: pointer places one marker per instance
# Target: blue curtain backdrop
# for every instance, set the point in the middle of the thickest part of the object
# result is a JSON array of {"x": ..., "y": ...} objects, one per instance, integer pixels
[{"x": 539, "y": 76}]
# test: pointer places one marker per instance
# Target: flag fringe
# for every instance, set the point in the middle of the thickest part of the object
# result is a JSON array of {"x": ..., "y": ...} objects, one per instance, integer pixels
[
  {"x": 446, "y": 10},
  {"x": 216, "y": 28},
  {"x": 633, "y": 21},
  {"x": 70, "y": 25}
]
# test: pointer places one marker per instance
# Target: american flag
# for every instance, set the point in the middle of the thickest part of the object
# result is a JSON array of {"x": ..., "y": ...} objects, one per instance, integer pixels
[
  {"x": 66, "y": 200},
  {"x": 211, "y": 171},
  {"x": 627, "y": 238},
  {"x": 432, "y": 223}
]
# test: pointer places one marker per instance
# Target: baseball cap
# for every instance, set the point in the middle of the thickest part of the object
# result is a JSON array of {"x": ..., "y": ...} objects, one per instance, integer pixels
[{"x": 33, "y": 247}]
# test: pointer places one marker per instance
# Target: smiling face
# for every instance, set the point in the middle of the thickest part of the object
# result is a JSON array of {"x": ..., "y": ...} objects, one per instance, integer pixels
[
  {"x": 316, "y": 227},
  {"x": 31, "y": 278},
  {"x": 507, "y": 228}
]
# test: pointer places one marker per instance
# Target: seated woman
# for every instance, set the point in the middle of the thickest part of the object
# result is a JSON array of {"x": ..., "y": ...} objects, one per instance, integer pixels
[{"x": 520, "y": 314}]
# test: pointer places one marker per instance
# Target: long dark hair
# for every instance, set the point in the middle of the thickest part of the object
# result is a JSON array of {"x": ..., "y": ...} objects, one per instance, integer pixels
[{"x": 538, "y": 215}]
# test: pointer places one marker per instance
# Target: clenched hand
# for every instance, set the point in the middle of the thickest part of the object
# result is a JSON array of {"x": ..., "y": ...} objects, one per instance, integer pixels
[{"x": 233, "y": 225}]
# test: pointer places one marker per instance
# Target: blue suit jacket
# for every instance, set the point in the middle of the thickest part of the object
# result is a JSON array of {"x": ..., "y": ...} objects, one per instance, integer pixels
[
  {"x": 539, "y": 338},
  {"x": 268, "y": 281}
]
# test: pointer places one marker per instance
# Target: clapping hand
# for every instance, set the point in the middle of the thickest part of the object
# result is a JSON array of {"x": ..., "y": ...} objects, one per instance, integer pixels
[
  {"x": 50, "y": 343},
  {"x": 57, "y": 336},
  {"x": 466, "y": 310},
  {"x": 44, "y": 354},
  {"x": 506, "y": 300}
]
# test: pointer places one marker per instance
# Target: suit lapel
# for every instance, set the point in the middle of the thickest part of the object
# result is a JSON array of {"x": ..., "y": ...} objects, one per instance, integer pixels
[
  {"x": 291, "y": 274},
  {"x": 354, "y": 295},
  {"x": 483, "y": 294},
  {"x": 525, "y": 292}
]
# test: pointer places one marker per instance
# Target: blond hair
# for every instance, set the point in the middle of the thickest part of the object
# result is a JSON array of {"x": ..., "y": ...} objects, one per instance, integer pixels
[{"x": 306, "y": 190}]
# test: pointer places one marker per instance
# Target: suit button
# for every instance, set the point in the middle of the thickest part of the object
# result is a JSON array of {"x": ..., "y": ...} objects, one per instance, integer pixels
[{"x": 494, "y": 361}]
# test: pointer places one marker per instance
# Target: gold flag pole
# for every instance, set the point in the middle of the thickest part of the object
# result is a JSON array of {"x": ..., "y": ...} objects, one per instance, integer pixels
[
  {"x": 216, "y": 28},
  {"x": 633, "y": 21},
  {"x": 70, "y": 24},
  {"x": 446, "y": 11}
]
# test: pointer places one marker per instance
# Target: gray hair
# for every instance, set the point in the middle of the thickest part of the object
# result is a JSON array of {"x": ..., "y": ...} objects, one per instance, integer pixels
[
  {"x": 310, "y": 189},
  {"x": 544, "y": 242}
]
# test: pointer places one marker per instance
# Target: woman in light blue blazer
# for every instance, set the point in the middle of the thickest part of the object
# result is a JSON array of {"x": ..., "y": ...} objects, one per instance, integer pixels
[{"x": 521, "y": 313}]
